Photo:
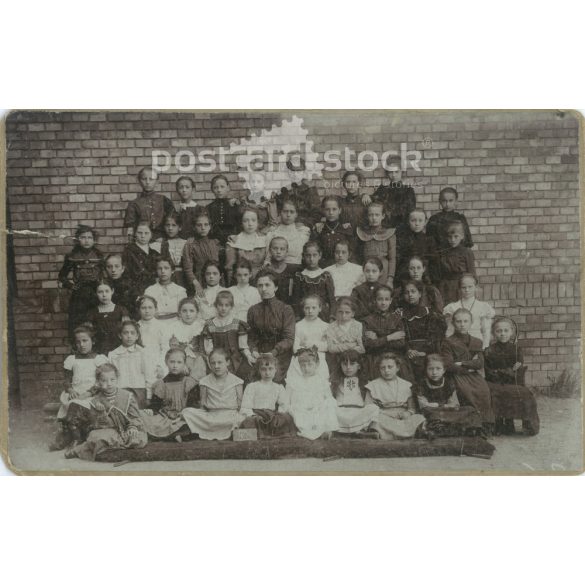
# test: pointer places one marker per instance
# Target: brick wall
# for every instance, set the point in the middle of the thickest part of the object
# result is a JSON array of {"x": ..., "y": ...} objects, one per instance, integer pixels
[{"x": 517, "y": 174}]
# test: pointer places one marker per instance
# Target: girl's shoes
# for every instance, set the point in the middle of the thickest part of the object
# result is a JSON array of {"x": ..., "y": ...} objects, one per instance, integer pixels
[
  {"x": 60, "y": 441},
  {"x": 70, "y": 453}
]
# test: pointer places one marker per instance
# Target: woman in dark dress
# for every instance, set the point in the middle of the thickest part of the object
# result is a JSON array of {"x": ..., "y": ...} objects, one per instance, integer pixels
[{"x": 272, "y": 326}]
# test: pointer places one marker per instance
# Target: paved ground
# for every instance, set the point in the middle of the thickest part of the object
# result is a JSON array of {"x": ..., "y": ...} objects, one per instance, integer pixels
[{"x": 558, "y": 448}]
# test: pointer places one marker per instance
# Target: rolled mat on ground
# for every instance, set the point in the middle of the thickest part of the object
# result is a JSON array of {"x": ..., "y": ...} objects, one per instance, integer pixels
[{"x": 297, "y": 448}]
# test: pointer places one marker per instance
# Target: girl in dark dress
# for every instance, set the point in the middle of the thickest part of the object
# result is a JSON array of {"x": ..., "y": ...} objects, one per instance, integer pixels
[
  {"x": 283, "y": 271},
  {"x": 123, "y": 285},
  {"x": 364, "y": 294},
  {"x": 223, "y": 212},
  {"x": 82, "y": 269},
  {"x": 332, "y": 231},
  {"x": 437, "y": 399},
  {"x": 412, "y": 240},
  {"x": 229, "y": 333},
  {"x": 353, "y": 203},
  {"x": 425, "y": 329},
  {"x": 504, "y": 373},
  {"x": 172, "y": 246},
  {"x": 431, "y": 297},
  {"x": 377, "y": 240},
  {"x": 464, "y": 355},
  {"x": 140, "y": 259},
  {"x": 304, "y": 195},
  {"x": 313, "y": 280},
  {"x": 106, "y": 319},
  {"x": 438, "y": 223},
  {"x": 188, "y": 209},
  {"x": 454, "y": 262},
  {"x": 398, "y": 198},
  {"x": 383, "y": 332},
  {"x": 197, "y": 251}
]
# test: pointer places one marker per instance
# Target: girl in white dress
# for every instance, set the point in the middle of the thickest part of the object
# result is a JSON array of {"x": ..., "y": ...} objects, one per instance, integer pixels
[
  {"x": 185, "y": 334},
  {"x": 482, "y": 312},
  {"x": 310, "y": 332},
  {"x": 153, "y": 334},
  {"x": 311, "y": 404},
  {"x": 344, "y": 333},
  {"x": 249, "y": 244},
  {"x": 296, "y": 234},
  {"x": 80, "y": 370},
  {"x": 353, "y": 414},
  {"x": 397, "y": 418},
  {"x": 221, "y": 398},
  {"x": 167, "y": 293},
  {"x": 245, "y": 295},
  {"x": 211, "y": 279}
]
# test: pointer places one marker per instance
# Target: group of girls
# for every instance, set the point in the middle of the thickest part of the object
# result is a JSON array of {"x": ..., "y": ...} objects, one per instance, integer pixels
[{"x": 286, "y": 313}]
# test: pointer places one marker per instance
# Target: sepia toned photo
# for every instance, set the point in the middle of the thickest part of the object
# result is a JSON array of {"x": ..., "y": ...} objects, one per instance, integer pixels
[{"x": 311, "y": 291}]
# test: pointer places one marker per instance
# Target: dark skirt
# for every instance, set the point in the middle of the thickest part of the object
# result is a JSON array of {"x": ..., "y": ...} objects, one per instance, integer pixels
[
  {"x": 449, "y": 290},
  {"x": 473, "y": 390},
  {"x": 140, "y": 395},
  {"x": 511, "y": 401},
  {"x": 270, "y": 424},
  {"x": 83, "y": 300},
  {"x": 179, "y": 278},
  {"x": 453, "y": 422}
]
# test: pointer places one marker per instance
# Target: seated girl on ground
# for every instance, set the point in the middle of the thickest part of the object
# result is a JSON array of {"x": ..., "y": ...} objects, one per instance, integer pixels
[
  {"x": 220, "y": 396},
  {"x": 266, "y": 403},
  {"x": 170, "y": 396},
  {"x": 397, "y": 417},
  {"x": 112, "y": 420},
  {"x": 437, "y": 399},
  {"x": 311, "y": 404},
  {"x": 349, "y": 391}
]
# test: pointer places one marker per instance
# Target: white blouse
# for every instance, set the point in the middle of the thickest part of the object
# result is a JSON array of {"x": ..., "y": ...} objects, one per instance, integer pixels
[{"x": 482, "y": 313}]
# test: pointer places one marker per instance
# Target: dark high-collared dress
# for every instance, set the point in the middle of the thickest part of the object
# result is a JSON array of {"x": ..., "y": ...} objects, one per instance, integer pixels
[
  {"x": 141, "y": 266},
  {"x": 446, "y": 418},
  {"x": 409, "y": 244},
  {"x": 306, "y": 199},
  {"x": 453, "y": 263},
  {"x": 439, "y": 223},
  {"x": 364, "y": 298},
  {"x": 425, "y": 330},
  {"x": 224, "y": 218},
  {"x": 81, "y": 271},
  {"x": 384, "y": 324},
  {"x": 399, "y": 200},
  {"x": 472, "y": 389},
  {"x": 510, "y": 398},
  {"x": 272, "y": 330},
  {"x": 149, "y": 207},
  {"x": 328, "y": 235}
]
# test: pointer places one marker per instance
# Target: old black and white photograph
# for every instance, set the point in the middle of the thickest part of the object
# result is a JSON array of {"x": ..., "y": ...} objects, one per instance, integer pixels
[{"x": 318, "y": 291}]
